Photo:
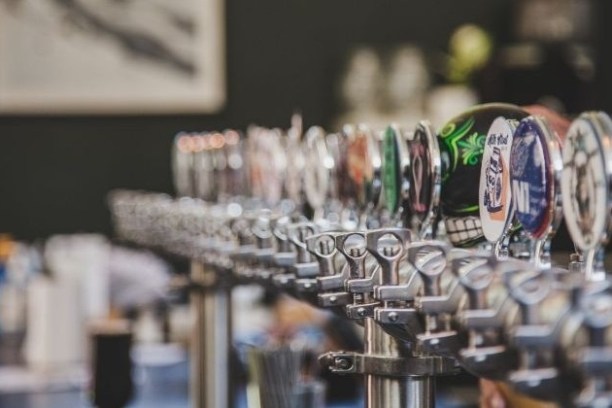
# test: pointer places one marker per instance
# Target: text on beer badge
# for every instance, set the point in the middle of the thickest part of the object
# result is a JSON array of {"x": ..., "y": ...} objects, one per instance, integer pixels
[
  {"x": 495, "y": 192},
  {"x": 529, "y": 177}
]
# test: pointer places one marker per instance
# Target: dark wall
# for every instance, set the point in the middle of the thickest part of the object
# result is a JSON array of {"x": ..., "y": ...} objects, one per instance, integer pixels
[{"x": 281, "y": 55}]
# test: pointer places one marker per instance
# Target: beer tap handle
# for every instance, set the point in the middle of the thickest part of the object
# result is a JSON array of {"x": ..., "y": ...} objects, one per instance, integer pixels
[
  {"x": 429, "y": 259},
  {"x": 388, "y": 246},
  {"x": 359, "y": 284},
  {"x": 323, "y": 247},
  {"x": 352, "y": 246}
]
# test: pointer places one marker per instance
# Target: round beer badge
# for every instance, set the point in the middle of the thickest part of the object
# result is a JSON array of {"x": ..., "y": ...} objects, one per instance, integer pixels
[
  {"x": 274, "y": 160},
  {"x": 535, "y": 166},
  {"x": 364, "y": 167},
  {"x": 295, "y": 161},
  {"x": 586, "y": 178},
  {"x": 396, "y": 165},
  {"x": 336, "y": 148},
  {"x": 462, "y": 142},
  {"x": 425, "y": 174},
  {"x": 318, "y": 167},
  {"x": 495, "y": 197}
]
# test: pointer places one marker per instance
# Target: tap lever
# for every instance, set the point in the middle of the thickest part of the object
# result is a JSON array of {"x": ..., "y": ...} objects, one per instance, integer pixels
[
  {"x": 429, "y": 258},
  {"x": 352, "y": 246},
  {"x": 388, "y": 246},
  {"x": 323, "y": 247}
]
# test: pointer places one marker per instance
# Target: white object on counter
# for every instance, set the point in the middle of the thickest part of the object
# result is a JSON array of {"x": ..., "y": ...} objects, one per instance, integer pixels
[{"x": 56, "y": 329}]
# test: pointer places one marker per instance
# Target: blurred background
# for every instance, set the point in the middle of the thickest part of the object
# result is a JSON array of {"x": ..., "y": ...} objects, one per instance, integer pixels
[
  {"x": 92, "y": 94},
  {"x": 282, "y": 56}
]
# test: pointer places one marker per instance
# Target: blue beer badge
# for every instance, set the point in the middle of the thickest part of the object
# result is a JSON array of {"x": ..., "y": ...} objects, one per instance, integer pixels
[
  {"x": 533, "y": 177},
  {"x": 495, "y": 192}
]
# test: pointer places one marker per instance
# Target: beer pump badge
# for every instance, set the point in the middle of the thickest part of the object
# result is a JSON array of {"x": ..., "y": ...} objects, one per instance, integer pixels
[
  {"x": 364, "y": 165},
  {"x": 462, "y": 142},
  {"x": 495, "y": 197},
  {"x": 530, "y": 177},
  {"x": 584, "y": 180},
  {"x": 318, "y": 165},
  {"x": 356, "y": 165},
  {"x": 391, "y": 176},
  {"x": 295, "y": 161},
  {"x": 422, "y": 180}
]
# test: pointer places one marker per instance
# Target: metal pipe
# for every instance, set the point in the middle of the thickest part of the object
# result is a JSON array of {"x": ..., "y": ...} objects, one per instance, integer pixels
[
  {"x": 210, "y": 343},
  {"x": 393, "y": 392}
]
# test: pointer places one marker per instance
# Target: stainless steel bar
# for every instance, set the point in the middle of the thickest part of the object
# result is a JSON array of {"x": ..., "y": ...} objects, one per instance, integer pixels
[
  {"x": 393, "y": 392},
  {"x": 211, "y": 343}
]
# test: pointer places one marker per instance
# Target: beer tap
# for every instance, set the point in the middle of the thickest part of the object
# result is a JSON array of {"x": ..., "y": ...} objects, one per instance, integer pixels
[
  {"x": 372, "y": 252},
  {"x": 585, "y": 187},
  {"x": 486, "y": 314},
  {"x": 536, "y": 165},
  {"x": 439, "y": 300},
  {"x": 306, "y": 269},
  {"x": 316, "y": 253},
  {"x": 485, "y": 310},
  {"x": 398, "y": 288},
  {"x": 362, "y": 187},
  {"x": 544, "y": 304},
  {"x": 361, "y": 274},
  {"x": 392, "y": 378},
  {"x": 398, "y": 313},
  {"x": 586, "y": 205},
  {"x": 333, "y": 273},
  {"x": 265, "y": 245}
]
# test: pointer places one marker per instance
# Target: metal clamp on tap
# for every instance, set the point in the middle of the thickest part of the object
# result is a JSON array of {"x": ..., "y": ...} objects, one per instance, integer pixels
[
  {"x": 405, "y": 366},
  {"x": 440, "y": 297},
  {"x": 362, "y": 275},
  {"x": 265, "y": 246},
  {"x": 397, "y": 284},
  {"x": 244, "y": 254},
  {"x": 218, "y": 245},
  {"x": 305, "y": 270},
  {"x": 265, "y": 243},
  {"x": 285, "y": 255}
]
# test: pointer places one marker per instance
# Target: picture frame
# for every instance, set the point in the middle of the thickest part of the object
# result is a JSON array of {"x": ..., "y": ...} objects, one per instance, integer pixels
[{"x": 111, "y": 56}]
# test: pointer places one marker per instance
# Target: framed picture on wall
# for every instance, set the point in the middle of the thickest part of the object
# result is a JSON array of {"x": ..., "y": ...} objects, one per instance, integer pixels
[{"x": 111, "y": 56}]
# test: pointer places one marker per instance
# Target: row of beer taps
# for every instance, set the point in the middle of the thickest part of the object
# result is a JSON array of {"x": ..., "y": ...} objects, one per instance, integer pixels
[{"x": 436, "y": 242}]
